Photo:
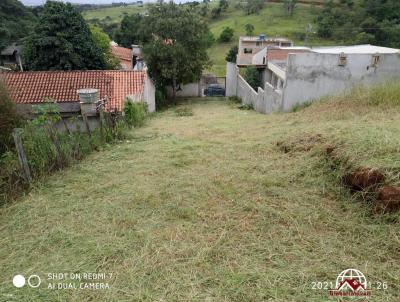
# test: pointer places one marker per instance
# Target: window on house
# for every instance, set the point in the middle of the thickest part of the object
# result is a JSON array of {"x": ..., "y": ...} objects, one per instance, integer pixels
[
  {"x": 375, "y": 60},
  {"x": 248, "y": 50},
  {"x": 342, "y": 60},
  {"x": 258, "y": 43}
]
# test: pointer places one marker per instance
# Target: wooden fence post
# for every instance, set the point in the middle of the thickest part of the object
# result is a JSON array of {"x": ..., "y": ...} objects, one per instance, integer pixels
[
  {"x": 85, "y": 119},
  {"x": 102, "y": 123},
  {"x": 21, "y": 156}
]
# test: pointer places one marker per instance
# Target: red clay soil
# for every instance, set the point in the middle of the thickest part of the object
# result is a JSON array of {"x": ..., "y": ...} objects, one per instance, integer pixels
[
  {"x": 364, "y": 179},
  {"x": 388, "y": 200}
]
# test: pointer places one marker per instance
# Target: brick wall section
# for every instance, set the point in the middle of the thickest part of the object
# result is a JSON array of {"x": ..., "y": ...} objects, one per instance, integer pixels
[{"x": 282, "y": 54}]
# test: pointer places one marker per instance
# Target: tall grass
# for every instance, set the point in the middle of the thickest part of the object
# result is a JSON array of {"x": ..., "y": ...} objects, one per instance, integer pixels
[
  {"x": 386, "y": 94},
  {"x": 40, "y": 140}
]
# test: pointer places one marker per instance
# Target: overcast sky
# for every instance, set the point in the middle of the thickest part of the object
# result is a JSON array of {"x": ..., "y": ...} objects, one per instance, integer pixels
[{"x": 39, "y": 2}]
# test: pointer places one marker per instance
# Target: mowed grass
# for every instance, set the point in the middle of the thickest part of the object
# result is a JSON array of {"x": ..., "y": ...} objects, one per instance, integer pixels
[
  {"x": 206, "y": 207},
  {"x": 271, "y": 21}
]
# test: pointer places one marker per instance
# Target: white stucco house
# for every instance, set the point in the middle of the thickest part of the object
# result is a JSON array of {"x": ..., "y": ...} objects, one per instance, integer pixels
[{"x": 295, "y": 75}]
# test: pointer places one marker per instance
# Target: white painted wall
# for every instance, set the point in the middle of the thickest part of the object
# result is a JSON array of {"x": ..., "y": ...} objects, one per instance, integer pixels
[
  {"x": 265, "y": 100},
  {"x": 231, "y": 79},
  {"x": 188, "y": 90},
  {"x": 311, "y": 76},
  {"x": 150, "y": 94}
]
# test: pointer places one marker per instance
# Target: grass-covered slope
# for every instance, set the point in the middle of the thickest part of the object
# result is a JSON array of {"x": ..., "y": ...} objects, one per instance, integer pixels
[
  {"x": 208, "y": 208},
  {"x": 113, "y": 14},
  {"x": 272, "y": 21}
]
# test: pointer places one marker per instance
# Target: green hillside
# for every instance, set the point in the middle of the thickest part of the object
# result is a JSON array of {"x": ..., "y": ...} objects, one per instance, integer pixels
[
  {"x": 271, "y": 20},
  {"x": 113, "y": 14}
]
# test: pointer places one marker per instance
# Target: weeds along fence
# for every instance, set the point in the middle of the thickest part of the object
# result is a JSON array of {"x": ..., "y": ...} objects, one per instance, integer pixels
[{"x": 42, "y": 148}]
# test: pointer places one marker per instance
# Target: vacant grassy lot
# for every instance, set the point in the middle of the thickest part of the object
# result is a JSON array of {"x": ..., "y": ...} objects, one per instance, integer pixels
[{"x": 207, "y": 208}]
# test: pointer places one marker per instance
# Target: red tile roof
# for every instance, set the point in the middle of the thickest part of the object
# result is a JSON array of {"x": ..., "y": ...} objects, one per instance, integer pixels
[
  {"x": 278, "y": 54},
  {"x": 122, "y": 53},
  {"x": 62, "y": 86}
]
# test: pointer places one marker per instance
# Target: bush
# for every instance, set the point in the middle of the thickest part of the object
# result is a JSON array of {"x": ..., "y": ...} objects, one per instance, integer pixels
[
  {"x": 161, "y": 98},
  {"x": 226, "y": 35},
  {"x": 232, "y": 54},
  {"x": 135, "y": 113},
  {"x": 246, "y": 107},
  {"x": 253, "y": 77},
  {"x": 47, "y": 150},
  {"x": 9, "y": 119},
  {"x": 210, "y": 39},
  {"x": 235, "y": 99}
]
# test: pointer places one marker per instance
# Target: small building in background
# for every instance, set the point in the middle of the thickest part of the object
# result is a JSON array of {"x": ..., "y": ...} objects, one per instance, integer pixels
[
  {"x": 250, "y": 46},
  {"x": 124, "y": 55},
  {"x": 11, "y": 57}
]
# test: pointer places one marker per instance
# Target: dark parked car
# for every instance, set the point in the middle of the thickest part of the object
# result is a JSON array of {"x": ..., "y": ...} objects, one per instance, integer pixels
[{"x": 214, "y": 90}]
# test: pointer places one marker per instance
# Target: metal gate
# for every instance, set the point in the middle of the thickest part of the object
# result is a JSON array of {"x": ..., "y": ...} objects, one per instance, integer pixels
[{"x": 212, "y": 85}]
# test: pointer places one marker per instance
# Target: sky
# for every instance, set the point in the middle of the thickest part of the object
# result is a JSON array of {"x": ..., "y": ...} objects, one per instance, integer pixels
[{"x": 39, "y": 2}]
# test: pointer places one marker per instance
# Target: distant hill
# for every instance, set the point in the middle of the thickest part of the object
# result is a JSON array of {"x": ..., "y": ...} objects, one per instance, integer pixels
[
  {"x": 15, "y": 21},
  {"x": 271, "y": 20}
]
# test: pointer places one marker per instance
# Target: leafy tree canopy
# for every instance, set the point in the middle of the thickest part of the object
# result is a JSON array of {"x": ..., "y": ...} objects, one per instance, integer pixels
[
  {"x": 249, "y": 28},
  {"x": 232, "y": 54},
  {"x": 254, "y": 6},
  {"x": 62, "y": 40},
  {"x": 16, "y": 21},
  {"x": 226, "y": 35},
  {"x": 177, "y": 50},
  {"x": 103, "y": 41},
  {"x": 369, "y": 21},
  {"x": 132, "y": 31}
]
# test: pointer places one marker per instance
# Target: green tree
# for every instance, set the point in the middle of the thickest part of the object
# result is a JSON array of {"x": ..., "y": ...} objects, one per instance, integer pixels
[
  {"x": 249, "y": 28},
  {"x": 210, "y": 39},
  {"x": 226, "y": 35},
  {"x": 62, "y": 41},
  {"x": 177, "y": 51},
  {"x": 364, "y": 21},
  {"x": 254, "y": 6},
  {"x": 216, "y": 12},
  {"x": 289, "y": 6},
  {"x": 253, "y": 77},
  {"x": 223, "y": 4},
  {"x": 103, "y": 41},
  {"x": 16, "y": 22},
  {"x": 232, "y": 54},
  {"x": 132, "y": 31}
]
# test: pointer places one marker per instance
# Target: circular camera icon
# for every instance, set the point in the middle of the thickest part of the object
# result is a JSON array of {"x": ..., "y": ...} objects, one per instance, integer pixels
[
  {"x": 19, "y": 281},
  {"x": 34, "y": 281}
]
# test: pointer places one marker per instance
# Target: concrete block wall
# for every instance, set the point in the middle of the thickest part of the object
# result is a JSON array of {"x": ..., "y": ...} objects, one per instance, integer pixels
[
  {"x": 313, "y": 76},
  {"x": 265, "y": 100},
  {"x": 188, "y": 90}
]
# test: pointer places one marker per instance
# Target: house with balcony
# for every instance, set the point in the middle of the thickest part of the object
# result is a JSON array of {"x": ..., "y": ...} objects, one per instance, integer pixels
[{"x": 250, "y": 46}]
